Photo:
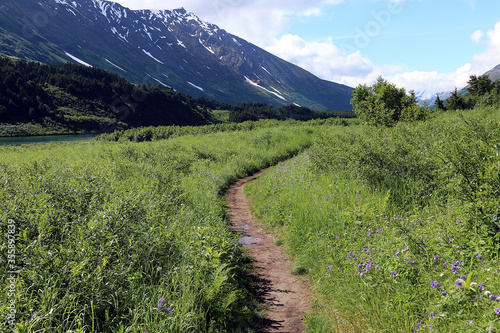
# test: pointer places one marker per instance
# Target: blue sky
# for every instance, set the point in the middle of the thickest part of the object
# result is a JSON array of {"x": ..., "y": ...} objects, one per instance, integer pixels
[{"x": 424, "y": 45}]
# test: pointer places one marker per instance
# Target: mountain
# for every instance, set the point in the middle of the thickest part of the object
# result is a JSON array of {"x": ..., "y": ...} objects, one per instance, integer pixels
[
  {"x": 431, "y": 101},
  {"x": 173, "y": 48},
  {"x": 494, "y": 73}
]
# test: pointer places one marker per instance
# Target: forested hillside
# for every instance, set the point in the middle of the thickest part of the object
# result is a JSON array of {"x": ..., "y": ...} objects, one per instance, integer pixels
[
  {"x": 75, "y": 99},
  {"x": 38, "y": 99}
]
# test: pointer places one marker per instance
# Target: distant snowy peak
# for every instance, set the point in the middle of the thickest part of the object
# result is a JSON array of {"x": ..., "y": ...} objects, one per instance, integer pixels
[{"x": 174, "y": 48}]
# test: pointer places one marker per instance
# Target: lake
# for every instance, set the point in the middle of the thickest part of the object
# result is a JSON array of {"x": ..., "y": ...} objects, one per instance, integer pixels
[{"x": 21, "y": 140}]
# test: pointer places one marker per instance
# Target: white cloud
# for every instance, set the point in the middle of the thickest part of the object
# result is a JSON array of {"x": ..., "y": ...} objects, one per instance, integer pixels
[
  {"x": 325, "y": 59},
  {"x": 328, "y": 61},
  {"x": 265, "y": 23},
  {"x": 433, "y": 82},
  {"x": 477, "y": 36},
  {"x": 258, "y": 21}
]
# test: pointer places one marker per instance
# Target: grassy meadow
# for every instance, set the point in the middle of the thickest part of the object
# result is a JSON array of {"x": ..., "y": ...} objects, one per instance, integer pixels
[
  {"x": 396, "y": 228},
  {"x": 130, "y": 237}
]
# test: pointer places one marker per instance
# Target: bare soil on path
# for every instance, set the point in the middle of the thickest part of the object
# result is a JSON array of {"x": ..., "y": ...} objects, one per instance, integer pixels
[{"x": 282, "y": 292}]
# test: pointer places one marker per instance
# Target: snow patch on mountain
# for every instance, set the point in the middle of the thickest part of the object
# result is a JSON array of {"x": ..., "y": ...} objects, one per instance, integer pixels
[
  {"x": 114, "y": 65},
  {"x": 149, "y": 54},
  {"x": 209, "y": 49},
  {"x": 161, "y": 83},
  {"x": 266, "y": 70},
  {"x": 77, "y": 60},
  {"x": 180, "y": 43},
  {"x": 194, "y": 85},
  {"x": 269, "y": 91}
]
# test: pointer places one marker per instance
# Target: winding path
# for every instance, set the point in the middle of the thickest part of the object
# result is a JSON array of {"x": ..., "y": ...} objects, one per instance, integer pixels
[{"x": 283, "y": 293}]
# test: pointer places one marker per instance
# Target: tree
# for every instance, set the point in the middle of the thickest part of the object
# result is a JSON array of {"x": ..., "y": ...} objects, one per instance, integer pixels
[
  {"x": 439, "y": 103},
  {"x": 385, "y": 104},
  {"x": 479, "y": 86},
  {"x": 456, "y": 101}
]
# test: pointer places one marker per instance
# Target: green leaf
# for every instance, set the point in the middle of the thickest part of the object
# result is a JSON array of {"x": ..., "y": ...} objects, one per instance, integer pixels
[{"x": 468, "y": 281}]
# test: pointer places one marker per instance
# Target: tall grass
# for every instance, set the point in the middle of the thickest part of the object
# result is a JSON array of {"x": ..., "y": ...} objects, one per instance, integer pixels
[
  {"x": 129, "y": 237},
  {"x": 397, "y": 228}
]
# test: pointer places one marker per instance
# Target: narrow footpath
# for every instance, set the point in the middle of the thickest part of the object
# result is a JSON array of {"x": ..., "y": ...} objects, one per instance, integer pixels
[{"x": 283, "y": 293}]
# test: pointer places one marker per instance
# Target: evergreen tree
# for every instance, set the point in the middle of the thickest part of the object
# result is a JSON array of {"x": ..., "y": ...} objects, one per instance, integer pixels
[
  {"x": 439, "y": 103},
  {"x": 456, "y": 101}
]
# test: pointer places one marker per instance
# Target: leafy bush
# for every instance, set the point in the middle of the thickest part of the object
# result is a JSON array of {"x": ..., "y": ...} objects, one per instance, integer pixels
[{"x": 385, "y": 104}]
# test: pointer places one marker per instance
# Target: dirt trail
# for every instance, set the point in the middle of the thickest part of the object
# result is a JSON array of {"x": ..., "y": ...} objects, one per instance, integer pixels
[{"x": 281, "y": 291}]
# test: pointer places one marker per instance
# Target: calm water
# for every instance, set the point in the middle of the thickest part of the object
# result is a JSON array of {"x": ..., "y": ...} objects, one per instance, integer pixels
[{"x": 21, "y": 140}]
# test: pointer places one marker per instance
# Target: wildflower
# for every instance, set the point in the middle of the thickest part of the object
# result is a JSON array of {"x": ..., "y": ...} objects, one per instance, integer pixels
[
  {"x": 434, "y": 284},
  {"x": 481, "y": 287},
  {"x": 471, "y": 322},
  {"x": 169, "y": 309},
  {"x": 160, "y": 304},
  {"x": 490, "y": 328},
  {"x": 397, "y": 254},
  {"x": 478, "y": 256},
  {"x": 492, "y": 297},
  {"x": 188, "y": 266},
  {"x": 458, "y": 283},
  {"x": 444, "y": 293},
  {"x": 497, "y": 311},
  {"x": 432, "y": 314},
  {"x": 463, "y": 277},
  {"x": 394, "y": 274}
]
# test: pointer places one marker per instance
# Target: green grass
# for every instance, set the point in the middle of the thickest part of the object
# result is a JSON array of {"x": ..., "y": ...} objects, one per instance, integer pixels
[
  {"x": 388, "y": 222},
  {"x": 105, "y": 230},
  {"x": 127, "y": 236}
]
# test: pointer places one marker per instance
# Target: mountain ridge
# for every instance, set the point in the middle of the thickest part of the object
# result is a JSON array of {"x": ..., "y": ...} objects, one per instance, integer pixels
[{"x": 173, "y": 48}]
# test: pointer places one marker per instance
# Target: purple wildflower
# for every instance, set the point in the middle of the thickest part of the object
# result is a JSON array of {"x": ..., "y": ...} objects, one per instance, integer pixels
[
  {"x": 397, "y": 254},
  {"x": 481, "y": 287},
  {"x": 169, "y": 309},
  {"x": 497, "y": 311},
  {"x": 458, "y": 283},
  {"x": 394, "y": 274},
  {"x": 160, "y": 303},
  {"x": 444, "y": 293},
  {"x": 434, "y": 284},
  {"x": 492, "y": 297},
  {"x": 478, "y": 256},
  {"x": 432, "y": 314},
  {"x": 463, "y": 277},
  {"x": 188, "y": 266}
]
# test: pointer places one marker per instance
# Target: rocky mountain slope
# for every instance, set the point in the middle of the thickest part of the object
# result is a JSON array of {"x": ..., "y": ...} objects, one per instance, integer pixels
[{"x": 168, "y": 47}]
